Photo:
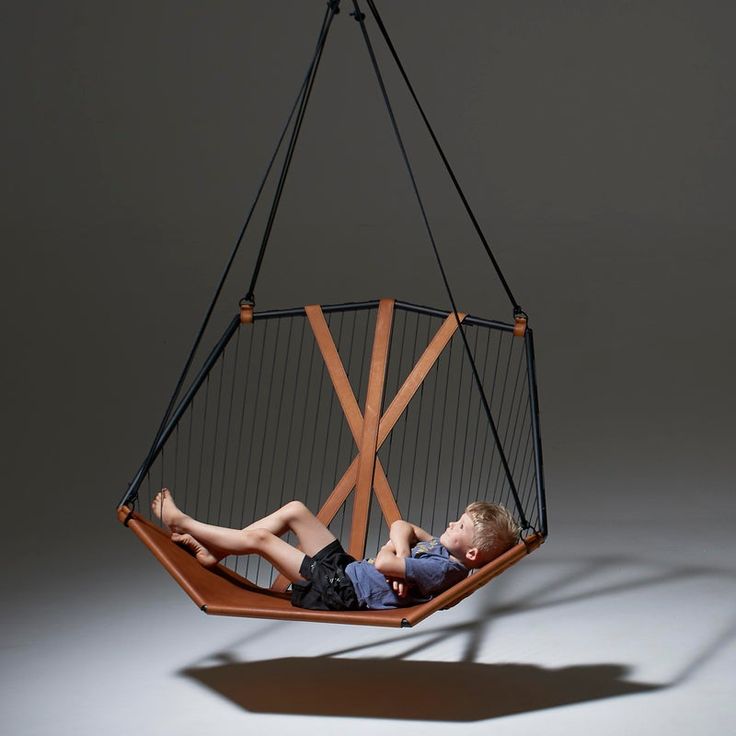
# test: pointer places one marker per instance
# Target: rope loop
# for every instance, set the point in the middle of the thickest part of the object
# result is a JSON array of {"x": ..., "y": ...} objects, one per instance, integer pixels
[
  {"x": 520, "y": 321},
  {"x": 246, "y": 311}
]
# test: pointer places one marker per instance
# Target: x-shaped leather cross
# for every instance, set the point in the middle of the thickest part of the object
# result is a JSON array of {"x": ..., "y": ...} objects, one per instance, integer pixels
[{"x": 369, "y": 429}]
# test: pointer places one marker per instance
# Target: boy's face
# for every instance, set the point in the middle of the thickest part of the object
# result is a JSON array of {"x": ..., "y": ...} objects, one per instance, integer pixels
[{"x": 458, "y": 539}]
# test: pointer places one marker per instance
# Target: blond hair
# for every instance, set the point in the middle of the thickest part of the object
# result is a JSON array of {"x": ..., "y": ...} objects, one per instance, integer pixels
[{"x": 495, "y": 530}]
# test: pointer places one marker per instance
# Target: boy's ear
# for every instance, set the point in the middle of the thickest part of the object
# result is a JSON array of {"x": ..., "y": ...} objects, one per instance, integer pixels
[{"x": 472, "y": 554}]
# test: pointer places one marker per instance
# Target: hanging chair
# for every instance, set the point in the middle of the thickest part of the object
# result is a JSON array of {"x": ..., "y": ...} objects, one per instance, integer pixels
[{"x": 369, "y": 412}]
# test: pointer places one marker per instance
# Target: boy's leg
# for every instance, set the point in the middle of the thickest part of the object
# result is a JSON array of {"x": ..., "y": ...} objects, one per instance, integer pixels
[
  {"x": 285, "y": 558},
  {"x": 313, "y": 535},
  {"x": 259, "y": 538}
]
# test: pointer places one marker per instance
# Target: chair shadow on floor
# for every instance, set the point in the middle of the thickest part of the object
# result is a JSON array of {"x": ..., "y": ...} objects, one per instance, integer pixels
[
  {"x": 418, "y": 690},
  {"x": 399, "y": 688}
]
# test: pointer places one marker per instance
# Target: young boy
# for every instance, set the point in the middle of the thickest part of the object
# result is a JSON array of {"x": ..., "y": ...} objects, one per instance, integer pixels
[{"x": 412, "y": 567}]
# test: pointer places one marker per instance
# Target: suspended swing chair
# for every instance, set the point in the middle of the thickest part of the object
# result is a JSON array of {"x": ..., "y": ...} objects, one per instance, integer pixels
[{"x": 369, "y": 412}]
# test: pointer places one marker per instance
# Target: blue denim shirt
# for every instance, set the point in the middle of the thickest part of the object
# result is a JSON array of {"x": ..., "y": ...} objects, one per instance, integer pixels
[{"x": 429, "y": 571}]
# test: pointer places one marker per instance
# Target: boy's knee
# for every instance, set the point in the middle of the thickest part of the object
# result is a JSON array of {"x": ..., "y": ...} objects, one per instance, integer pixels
[
  {"x": 296, "y": 509},
  {"x": 256, "y": 539}
]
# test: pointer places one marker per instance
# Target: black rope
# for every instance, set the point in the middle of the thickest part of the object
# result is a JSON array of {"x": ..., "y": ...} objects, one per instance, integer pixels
[
  {"x": 416, "y": 442},
  {"x": 279, "y": 413},
  {"x": 226, "y": 271},
  {"x": 448, "y": 167},
  {"x": 474, "y": 448},
  {"x": 485, "y": 441},
  {"x": 266, "y": 423},
  {"x": 341, "y": 434},
  {"x": 251, "y": 439},
  {"x": 148, "y": 504},
  {"x": 515, "y": 442},
  {"x": 307, "y": 393},
  {"x": 454, "y": 444},
  {"x": 162, "y": 468},
  {"x": 396, "y": 342},
  {"x": 201, "y": 450},
  {"x": 230, "y": 404},
  {"x": 529, "y": 477},
  {"x": 405, "y": 422},
  {"x": 215, "y": 436},
  {"x": 525, "y": 480},
  {"x": 176, "y": 457},
  {"x": 287, "y": 453},
  {"x": 312, "y": 449},
  {"x": 189, "y": 452},
  {"x": 360, "y": 17},
  {"x": 523, "y": 403},
  {"x": 238, "y": 442},
  {"x": 332, "y": 10},
  {"x": 508, "y": 443},
  {"x": 432, "y": 425},
  {"x": 441, "y": 442},
  {"x": 331, "y": 412},
  {"x": 464, "y": 452},
  {"x": 501, "y": 405}
]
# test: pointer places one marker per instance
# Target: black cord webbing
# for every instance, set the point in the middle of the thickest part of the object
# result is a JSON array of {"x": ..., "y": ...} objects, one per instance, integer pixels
[
  {"x": 464, "y": 453},
  {"x": 332, "y": 10},
  {"x": 476, "y": 432},
  {"x": 201, "y": 449},
  {"x": 416, "y": 440},
  {"x": 443, "y": 429},
  {"x": 190, "y": 411},
  {"x": 501, "y": 405},
  {"x": 512, "y": 402},
  {"x": 294, "y": 397},
  {"x": 250, "y": 440},
  {"x": 430, "y": 437},
  {"x": 454, "y": 432},
  {"x": 238, "y": 444},
  {"x": 132, "y": 492},
  {"x": 448, "y": 167},
  {"x": 308, "y": 393},
  {"x": 406, "y": 423},
  {"x": 360, "y": 17},
  {"x": 230, "y": 404},
  {"x": 131, "y": 495},
  {"x": 216, "y": 433},
  {"x": 514, "y": 441}
]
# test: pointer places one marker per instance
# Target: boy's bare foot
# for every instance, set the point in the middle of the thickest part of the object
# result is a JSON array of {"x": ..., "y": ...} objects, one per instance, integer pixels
[
  {"x": 164, "y": 508},
  {"x": 203, "y": 555}
]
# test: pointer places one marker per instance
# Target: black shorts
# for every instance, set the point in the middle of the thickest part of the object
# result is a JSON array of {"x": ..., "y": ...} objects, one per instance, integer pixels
[{"x": 327, "y": 586}]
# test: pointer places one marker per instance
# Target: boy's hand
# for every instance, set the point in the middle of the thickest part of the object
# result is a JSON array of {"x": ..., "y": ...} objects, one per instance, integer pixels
[
  {"x": 400, "y": 587},
  {"x": 400, "y": 550}
]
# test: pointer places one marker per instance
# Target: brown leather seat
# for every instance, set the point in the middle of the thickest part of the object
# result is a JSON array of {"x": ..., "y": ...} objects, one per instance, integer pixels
[{"x": 223, "y": 592}]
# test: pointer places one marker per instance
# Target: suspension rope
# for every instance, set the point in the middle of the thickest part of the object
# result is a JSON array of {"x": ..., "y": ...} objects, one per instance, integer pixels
[
  {"x": 360, "y": 18},
  {"x": 303, "y": 90},
  {"x": 333, "y": 8},
  {"x": 374, "y": 10}
]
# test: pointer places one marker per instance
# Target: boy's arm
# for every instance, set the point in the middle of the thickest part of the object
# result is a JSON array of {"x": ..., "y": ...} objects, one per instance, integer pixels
[
  {"x": 391, "y": 558},
  {"x": 391, "y": 564},
  {"x": 405, "y": 535}
]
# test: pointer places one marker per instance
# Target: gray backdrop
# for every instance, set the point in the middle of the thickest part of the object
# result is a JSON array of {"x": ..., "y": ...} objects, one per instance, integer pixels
[{"x": 594, "y": 140}]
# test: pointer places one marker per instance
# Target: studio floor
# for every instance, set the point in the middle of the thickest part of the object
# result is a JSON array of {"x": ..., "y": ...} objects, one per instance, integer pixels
[{"x": 627, "y": 629}]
